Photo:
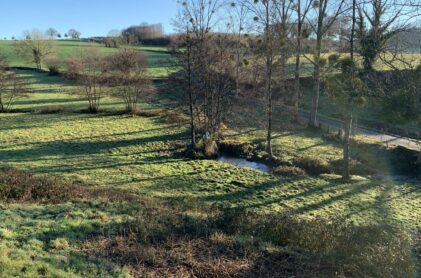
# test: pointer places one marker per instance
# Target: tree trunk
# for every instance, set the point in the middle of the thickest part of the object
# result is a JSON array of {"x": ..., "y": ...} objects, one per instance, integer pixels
[
  {"x": 269, "y": 65},
  {"x": 269, "y": 130},
  {"x": 237, "y": 74},
  {"x": 347, "y": 127},
  {"x": 297, "y": 82},
  {"x": 351, "y": 41},
  {"x": 190, "y": 90},
  {"x": 316, "y": 95},
  {"x": 298, "y": 64}
]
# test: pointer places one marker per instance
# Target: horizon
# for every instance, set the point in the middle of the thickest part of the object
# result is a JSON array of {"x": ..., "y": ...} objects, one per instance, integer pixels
[{"x": 91, "y": 18}]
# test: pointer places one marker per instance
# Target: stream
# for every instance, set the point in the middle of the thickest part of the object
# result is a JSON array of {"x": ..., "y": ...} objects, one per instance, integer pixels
[{"x": 241, "y": 162}]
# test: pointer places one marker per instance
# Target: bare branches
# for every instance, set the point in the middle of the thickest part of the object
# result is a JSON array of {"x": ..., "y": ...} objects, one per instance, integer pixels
[
  {"x": 35, "y": 47},
  {"x": 89, "y": 71},
  {"x": 12, "y": 86},
  {"x": 128, "y": 77}
]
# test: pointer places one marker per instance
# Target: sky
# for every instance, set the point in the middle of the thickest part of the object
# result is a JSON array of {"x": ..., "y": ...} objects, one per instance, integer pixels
[{"x": 90, "y": 17}]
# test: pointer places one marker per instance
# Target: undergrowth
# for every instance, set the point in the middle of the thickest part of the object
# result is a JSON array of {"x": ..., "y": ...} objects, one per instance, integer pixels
[{"x": 161, "y": 240}]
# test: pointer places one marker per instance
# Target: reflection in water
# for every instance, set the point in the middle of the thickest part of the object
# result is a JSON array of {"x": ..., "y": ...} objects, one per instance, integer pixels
[{"x": 241, "y": 162}]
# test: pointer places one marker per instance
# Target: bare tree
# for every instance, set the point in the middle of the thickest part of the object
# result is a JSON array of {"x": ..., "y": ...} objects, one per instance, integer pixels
[
  {"x": 89, "y": 71},
  {"x": 35, "y": 47},
  {"x": 53, "y": 64},
  {"x": 301, "y": 8},
  {"x": 238, "y": 20},
  {"x": 219, "y": 84},
  {"x": 195, "y": 21},
  {"x": 283, "y": 33},
  {"x": 265, "y": 16},
  {"x": 113, "y": 39},
  {"x": 129, "y": 80},
  {"x": 12, "y": 86},
  {"x": 73, "y": 33},
  {"x": 348, "y": 90},
  {"x": 51, "y": 33}
]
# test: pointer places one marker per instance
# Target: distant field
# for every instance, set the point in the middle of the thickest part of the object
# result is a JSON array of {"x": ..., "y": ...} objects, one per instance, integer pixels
[
  {"x": 403, "y": 61},
  {"x": 160, "y": 62}
]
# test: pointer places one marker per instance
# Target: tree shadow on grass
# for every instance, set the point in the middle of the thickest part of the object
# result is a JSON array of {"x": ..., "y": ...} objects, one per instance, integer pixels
[
  {"x": 48, "y": 102},
  {"x": 70, "y": 148}
]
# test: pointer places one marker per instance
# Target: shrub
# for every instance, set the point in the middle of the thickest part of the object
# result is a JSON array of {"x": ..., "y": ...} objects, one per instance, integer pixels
[
  {"x": 237, "y": 149},
  {"x": 143, "y": 113},
  {"x": 406, "y": 162},
  {"x": 174, "y": 117},
  {"x": 17, "y": 185},
  {"x": 52, "y": 110},
  {"x": 74, "y": 66},
  {"x": 53, "y": 63},
  {"x": 313, "y": 165},
  {"x": 310, "y": 248},
  {"x": 289, "y": 171}
]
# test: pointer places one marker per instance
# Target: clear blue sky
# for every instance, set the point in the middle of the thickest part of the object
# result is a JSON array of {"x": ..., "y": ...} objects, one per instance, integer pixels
[{"x": 90, "y": 17}]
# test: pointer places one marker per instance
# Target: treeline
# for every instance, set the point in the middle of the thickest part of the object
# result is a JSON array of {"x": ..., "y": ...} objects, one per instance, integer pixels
[
  {"x": 144, "y": 34},
  {"x": 246, "y": 47}
]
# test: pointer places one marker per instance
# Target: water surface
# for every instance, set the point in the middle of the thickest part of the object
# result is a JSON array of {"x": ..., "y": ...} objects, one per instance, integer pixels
[{"x": 241, "y": 162}]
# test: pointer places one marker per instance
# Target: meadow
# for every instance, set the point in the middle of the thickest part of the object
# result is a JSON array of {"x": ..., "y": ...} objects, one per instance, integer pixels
[
  {"x": 160, "y": 63},
  {"x": 145, "y": 193}
]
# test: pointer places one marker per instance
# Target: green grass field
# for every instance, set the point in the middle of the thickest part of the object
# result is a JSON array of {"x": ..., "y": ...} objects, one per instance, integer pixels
[
  {"x": 139, "y": 156},
  {"x": 135, "y": 154},
  {"x": 160, "y": 63}
]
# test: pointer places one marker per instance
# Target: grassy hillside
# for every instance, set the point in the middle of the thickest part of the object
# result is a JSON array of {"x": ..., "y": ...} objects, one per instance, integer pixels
[
  {"x": 160, "y": 62},
  {"x": 66, "y": 139},
  {"x": 123, "y": 201},
  {"x": 137, "y": 154},
  {"x": 63, "y": 48}
]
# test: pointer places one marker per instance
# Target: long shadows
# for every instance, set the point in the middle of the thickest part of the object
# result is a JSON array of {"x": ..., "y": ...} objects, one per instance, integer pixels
[{"x": 74, "y": 148}]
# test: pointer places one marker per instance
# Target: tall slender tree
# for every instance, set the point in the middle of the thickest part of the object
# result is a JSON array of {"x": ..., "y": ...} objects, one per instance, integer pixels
[
  {"x": 265, "y": 16},
  {"x": 301, "y": 8},
  {"x": 325, "y": 13}
]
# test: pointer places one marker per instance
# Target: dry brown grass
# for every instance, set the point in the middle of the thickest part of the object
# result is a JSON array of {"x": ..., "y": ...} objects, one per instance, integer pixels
[{"x": 231, "y": 243}]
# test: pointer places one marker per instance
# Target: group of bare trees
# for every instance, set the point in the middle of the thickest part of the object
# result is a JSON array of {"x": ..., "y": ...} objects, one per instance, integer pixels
[
  {"x": 221, "y": 41},
  {"x": 122, "y": 75},
  {"x": 206, "y": 68}
]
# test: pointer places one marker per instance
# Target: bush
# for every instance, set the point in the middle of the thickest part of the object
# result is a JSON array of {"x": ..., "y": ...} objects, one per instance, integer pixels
[
  {"x": 52, "y": 110},
  {"x": 20, "y": 186},
  {"x": 288, "y": 171},
  {"x": 237, "y": 149},
  {"x": 306, "y": 248},
  {"x": 53, "y": 63},
  {"x": 74, "y": 66},
  {"x": 174, "y": 117},
  {"x": 406, "y": 161},
  {"x": 313, "y": 165}
]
